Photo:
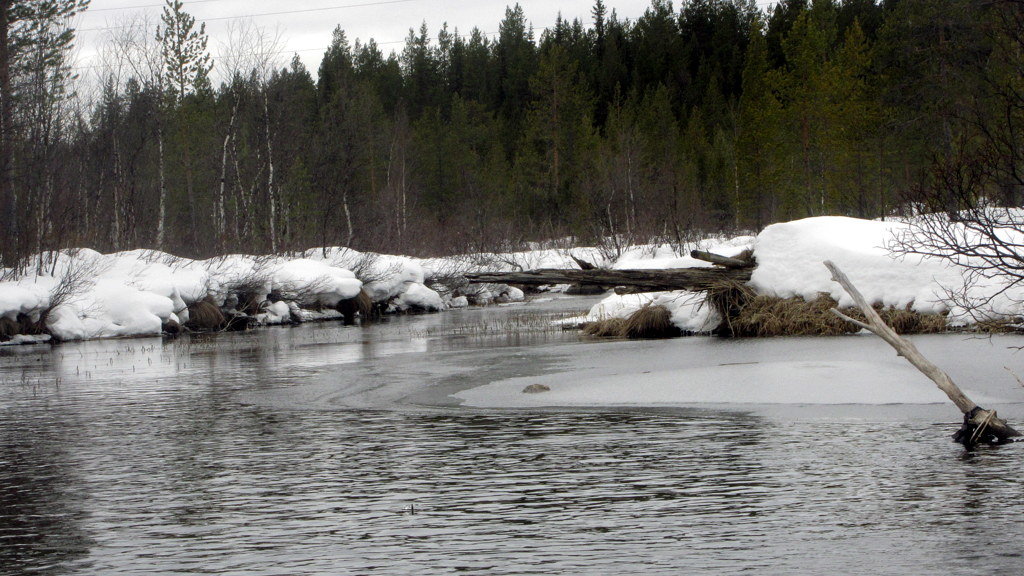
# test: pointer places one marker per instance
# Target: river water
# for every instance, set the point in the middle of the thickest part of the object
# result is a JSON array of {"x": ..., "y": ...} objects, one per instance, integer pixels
[{"x": 322, "y": 449}]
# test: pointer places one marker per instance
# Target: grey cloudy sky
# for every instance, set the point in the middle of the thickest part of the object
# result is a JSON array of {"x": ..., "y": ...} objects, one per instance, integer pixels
[{"x": 305, "y": 26}]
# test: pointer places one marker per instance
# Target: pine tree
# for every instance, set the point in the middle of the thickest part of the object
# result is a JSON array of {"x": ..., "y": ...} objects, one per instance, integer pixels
[
  {"x": 187, "y": 63},
  {"x": 558, "y": 139},
  {"x": 760, "y": 149},
  {"x": 186, "y": 68}
]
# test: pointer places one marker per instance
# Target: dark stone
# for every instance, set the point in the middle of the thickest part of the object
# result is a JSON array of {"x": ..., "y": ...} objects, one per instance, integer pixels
[{"x": 585, "y": 290}]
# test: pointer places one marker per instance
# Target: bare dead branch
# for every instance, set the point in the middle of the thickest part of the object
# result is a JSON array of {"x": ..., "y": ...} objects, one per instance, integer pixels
[{"x": 981, "y": 419}]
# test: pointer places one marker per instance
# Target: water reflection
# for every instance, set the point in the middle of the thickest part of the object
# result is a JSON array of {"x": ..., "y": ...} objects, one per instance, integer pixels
[
  {"x": 241, "y": 454},
  {"x": 42, "y": 500}
]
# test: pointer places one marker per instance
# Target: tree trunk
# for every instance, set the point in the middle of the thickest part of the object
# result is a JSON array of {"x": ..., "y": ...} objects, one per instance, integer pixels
[
  {"x": 190, "y": 193},
  {"x": 162, "y": 216},
  {"x": 221, "y": 216},
  {"x": 8, "y": 205},
  {"x": 270, "y": 173},
  {"x": 652, "y": 280},
  {"x": 976, "y": 420}
]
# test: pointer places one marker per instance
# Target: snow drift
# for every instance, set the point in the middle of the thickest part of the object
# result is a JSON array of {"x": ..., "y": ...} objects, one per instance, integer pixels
[{"x": 90, "y": 295}]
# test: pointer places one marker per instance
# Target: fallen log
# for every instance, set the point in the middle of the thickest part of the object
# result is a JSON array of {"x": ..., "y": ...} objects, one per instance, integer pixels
[
  {"x": 720, "y": 260},
  {"x": 651, "y": 280},
  {"x": 980, "y": 425}
]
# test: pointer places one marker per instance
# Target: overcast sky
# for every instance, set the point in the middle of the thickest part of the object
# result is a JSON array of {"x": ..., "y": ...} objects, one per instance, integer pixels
[{"x": 305, "y": 26}]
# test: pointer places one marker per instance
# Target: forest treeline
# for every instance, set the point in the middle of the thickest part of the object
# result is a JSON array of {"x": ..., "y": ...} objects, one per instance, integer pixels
[{"x": 707, "y": 116}]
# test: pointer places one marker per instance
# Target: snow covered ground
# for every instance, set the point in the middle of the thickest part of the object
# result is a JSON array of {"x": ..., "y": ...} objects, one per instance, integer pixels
[
  {"x": 789, "y": 263},
  {"x": 139, "y": 292}
]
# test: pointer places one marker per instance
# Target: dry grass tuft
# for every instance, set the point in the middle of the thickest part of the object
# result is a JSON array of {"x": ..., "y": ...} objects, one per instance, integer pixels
[
  {"x": 650, "y": 322},
  {"x": 772, "y": 316},
  {"x": 365, "y": 305},
  {"x": 729, "y": 298},
  {"x": 361, "y": 304},
  {"x": 1000, "y": 326},
  {"x": 31, "y": 327},
  {"x": 607, "y": 328},
  {"x": 906, "y": 321},
  {"x": 647, "y": 322},
  {"x": 8, "y": 328},
  {"x": 205, "y": 316}
]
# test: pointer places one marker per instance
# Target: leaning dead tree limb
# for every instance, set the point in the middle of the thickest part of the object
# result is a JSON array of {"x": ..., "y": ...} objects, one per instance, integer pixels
[
  {"x": 980, "y": 425},
  {"x": 652, "y": 280}
]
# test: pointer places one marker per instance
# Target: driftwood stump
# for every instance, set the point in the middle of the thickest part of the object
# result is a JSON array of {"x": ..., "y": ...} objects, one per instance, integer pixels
[{"x": 980, "y": 425}]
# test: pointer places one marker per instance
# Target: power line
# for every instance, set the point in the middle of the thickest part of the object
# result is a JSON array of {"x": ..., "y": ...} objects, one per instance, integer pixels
[
  {"x": 287, "y": 51},
  {"x": 142, "y": 6},
  {"x": 281, "y": 13}
]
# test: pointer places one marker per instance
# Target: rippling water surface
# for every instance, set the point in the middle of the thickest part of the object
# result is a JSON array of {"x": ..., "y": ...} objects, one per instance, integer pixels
[{"x": 330, "y": 450}]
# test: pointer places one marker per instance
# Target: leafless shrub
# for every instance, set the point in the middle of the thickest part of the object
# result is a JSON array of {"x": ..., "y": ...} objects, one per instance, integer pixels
[
  {"x": 242, "y": 290},
  {"x": 304, "y": 294},
  {"x": 985, "y": 242},
  {"x": 366, "y": 266},
  {"x": 75, "y": 275}
]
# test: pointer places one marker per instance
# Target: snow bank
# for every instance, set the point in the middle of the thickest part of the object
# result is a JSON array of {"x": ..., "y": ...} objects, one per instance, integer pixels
[
  {"x": 140, "y": 292},
  {"x": 400, "y": 280},
  {"x": 313, "y": 282},
  {"x": 687, "y": 308},
  {"x": 689, "y": 313},
  {"x": 789, "y": 263},
  {"x": 790, "y": 256},
  {"x": 664, "y": 256},
  {"x": 24, "y": 297},
  {"x": 419, "y": 297}
]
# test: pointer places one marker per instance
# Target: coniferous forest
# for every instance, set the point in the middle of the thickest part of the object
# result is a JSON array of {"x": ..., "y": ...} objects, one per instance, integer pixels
[{"x": 704, "y": 116}]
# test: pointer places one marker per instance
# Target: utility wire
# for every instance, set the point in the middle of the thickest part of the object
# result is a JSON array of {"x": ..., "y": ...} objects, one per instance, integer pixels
[
  {"x": 90, "y": 10},
  {"x": 288, "y": 51},
  {"x": 281, "y": 13}
]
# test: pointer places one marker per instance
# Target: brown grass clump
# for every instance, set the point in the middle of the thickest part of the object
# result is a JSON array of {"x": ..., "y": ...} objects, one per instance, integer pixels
[
  {"x": 772, "y": 316},
  {"x": 8, "y": 328},
  {"x": 747, "y": 256},
  {"x": 1001, "y": 326},
  {"x": 906, "y": 321},
  {"x": 205, "y": 316},
  {"x": 647, "y": 322},
  {"x": 249, "y": 302},
  {"x": 729, "y": 298},
  {"x": 607, "y": 328},
  {"x": 365, "y": 305},
  {"x": 650, "y": 322},
  {"x": 361, "y": 304},
  {"x": 28, "y": 326}
]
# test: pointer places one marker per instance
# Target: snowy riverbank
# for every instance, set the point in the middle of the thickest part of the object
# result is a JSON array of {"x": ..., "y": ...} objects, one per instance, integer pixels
[
  {"x": 84, "y": 294},
  {"x": 789, "y": 260}
]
